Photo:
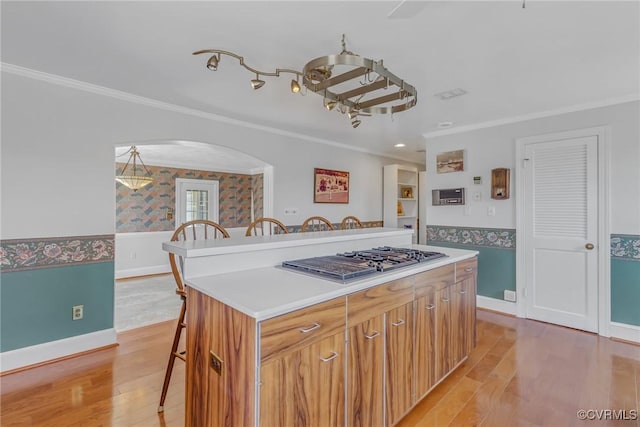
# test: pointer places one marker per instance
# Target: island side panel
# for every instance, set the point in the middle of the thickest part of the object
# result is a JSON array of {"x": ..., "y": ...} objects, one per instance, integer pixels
[{"x": 227, "y": 398}]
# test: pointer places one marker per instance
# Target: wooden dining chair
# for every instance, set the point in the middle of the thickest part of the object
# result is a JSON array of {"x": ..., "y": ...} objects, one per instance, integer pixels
[
  {"x": 350, "y": 222},
  {"x": 316, "y": 223},
  {"x": 266, "y": 227},
  {"x": 193, "y": 230}
]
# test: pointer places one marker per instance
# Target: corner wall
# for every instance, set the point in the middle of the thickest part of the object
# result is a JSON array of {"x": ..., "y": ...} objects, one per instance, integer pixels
[{"x": 494, "y": 147}]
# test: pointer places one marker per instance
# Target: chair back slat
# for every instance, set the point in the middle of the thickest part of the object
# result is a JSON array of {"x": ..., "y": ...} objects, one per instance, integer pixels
[
  {"x": 350, "y": 222},
  {"x": 266, "y": 226},
  {"x": 316, "y": 223}
]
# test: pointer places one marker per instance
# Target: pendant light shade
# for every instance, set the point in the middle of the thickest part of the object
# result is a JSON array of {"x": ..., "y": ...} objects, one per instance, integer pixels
[{"x": 132, "y": 180}]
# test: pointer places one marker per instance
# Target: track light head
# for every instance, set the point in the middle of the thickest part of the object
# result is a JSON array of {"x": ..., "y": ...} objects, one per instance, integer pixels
[
  {"x": 295, "y": 86},
  {"x": 331, "y": 105},
  {"x": 257, "y": 83},
  {"x": 213, "y": 62}
]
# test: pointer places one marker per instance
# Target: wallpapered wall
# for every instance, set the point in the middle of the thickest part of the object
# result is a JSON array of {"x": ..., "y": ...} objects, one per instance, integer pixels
[{"x": 146, "y": 209}]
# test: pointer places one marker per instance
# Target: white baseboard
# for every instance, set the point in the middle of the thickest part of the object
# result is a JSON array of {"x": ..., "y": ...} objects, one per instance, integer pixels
[
  {"x": 142, "y": 271},
  {"x": 624, "y": 332},
  {"x": 494, "y": 304},
  {"x": 26, "y": 356}
]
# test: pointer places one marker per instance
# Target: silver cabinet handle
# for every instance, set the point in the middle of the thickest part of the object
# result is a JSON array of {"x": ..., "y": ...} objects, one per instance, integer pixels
[
  {"x": 310, "y": 328},
  {"x": 372, "y": 336},
  {"x": 330, "y": 358},
  {"x": 445, "y": 299},
  {"x": 398, "y": 323},
  {"x": 430, "y": 307},
  {"x": 468, "y": 269},
  {"x": 463, "y": 292}
]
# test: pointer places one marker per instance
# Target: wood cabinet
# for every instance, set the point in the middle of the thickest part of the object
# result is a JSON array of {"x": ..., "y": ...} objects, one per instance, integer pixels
[
  {"x": 365, "y": 373},
  {"x": 466, "y": 283},
  {"x": 304, "y": 387},
  {"x": 380, "y": 329},
  {"x": 364, "y": 359},
  {"x": 430, "y": 314},
  {"x": 302, "y": 367},
  {"x": 399, "y": 356}
]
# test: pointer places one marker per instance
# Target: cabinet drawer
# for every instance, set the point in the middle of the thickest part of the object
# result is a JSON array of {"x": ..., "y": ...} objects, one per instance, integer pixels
[
  {"x": 466, "y": 269},
  {"x": 292, "y": 330},
  {"x": 434, "y": 280},
  {"x": 379, "y": 299}
]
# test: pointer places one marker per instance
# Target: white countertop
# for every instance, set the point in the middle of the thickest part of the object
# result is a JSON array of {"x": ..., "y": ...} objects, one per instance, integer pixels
[{"x": 266, "y": 292}]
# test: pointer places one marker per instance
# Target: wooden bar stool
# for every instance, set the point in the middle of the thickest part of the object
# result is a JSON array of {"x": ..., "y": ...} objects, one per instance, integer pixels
[
  {"x": 193, "y": 230},
  {"x": 266, "y": 227},
  {"x": 350, "y": 222},
  {"x": 316, "y": 223}
]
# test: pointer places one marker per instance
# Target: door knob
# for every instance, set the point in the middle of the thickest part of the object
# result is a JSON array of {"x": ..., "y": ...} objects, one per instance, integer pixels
[{"x": 589, "y": 246}]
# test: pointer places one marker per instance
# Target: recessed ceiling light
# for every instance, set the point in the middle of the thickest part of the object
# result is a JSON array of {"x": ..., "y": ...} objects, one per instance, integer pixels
[
  {"x": 400, "y": 145},
  {"x": 444, "y": 125}
]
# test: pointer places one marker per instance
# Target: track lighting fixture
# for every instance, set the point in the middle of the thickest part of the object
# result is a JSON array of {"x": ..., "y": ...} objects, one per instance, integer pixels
[
  {"x": 257, "y": 83},
  {"x": 367, "y": 87}
]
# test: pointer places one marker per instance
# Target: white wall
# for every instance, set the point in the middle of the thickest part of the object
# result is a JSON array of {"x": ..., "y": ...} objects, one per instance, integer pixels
[
  {"x": 59, "y": 142},
  {"x": 495, "y": 147}
]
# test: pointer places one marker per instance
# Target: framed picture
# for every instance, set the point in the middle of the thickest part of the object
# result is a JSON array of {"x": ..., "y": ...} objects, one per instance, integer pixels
[
  {"x": 330, "y": 186},
  {"x": 450, "y": 161}
]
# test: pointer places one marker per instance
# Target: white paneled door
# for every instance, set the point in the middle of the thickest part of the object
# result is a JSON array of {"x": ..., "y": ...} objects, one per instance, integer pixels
[{"x": 561, "y": 231}]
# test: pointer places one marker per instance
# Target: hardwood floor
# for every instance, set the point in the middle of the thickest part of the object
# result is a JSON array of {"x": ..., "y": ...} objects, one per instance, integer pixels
[{"x": 522, "y": 373}]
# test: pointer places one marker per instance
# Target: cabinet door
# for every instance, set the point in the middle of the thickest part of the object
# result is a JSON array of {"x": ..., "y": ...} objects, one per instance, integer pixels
[
  {"x": 365, "y": 406},
  {"x": 399, "y": 352},
  {"x": 465, "y": 291},
  {"x": 425, "y": 351},
  {"x": 305, "y": 387},
  {"x": 444, "y": 356}
]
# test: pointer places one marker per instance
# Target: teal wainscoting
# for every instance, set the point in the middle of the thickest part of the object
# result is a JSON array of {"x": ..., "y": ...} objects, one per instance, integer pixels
[
  {"x": 43, "y": 278},
  {"x": 496, "y": 254},
  {"x": 35, "y": 305},
  {"x": 625, "y": 279}
]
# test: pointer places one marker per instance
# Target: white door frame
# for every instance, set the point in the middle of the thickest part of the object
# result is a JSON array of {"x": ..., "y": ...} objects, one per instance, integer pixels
[
  {"x": 213, "y": 203},
  {"x": 604, "y": 260}
]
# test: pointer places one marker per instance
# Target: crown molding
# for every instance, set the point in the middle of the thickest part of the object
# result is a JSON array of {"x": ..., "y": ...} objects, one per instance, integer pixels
[
  {"x": 149, "y": 102},
  {"x": 533, "y": 116}
]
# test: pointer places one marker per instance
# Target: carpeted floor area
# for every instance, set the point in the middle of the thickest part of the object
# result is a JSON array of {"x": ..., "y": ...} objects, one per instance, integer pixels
[{"x": 144, "y": 301}]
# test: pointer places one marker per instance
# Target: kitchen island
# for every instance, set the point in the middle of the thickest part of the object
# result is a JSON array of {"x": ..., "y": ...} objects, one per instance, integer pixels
[{"x": 272, "y": 347}]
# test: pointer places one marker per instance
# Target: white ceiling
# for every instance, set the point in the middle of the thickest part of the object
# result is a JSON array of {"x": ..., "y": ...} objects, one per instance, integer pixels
[{"x": 512, "y": 61}]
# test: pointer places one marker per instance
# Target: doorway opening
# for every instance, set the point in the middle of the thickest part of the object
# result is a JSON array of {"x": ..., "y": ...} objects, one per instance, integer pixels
[{"x": 191, "y": 180}]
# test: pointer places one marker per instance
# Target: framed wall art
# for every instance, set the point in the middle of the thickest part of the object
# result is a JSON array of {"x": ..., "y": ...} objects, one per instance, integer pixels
[
  {"x": 450, "y": 161},
  {"x": 330, "y": 186}
]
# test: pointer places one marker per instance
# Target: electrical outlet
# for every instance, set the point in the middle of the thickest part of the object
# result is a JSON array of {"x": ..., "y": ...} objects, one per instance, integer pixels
[
  {"x": 77, "y": 312},
  {"x": 491, "y": 211},
  {"x": 509, "y": 295},
  {"x": 291, "y": 211}
]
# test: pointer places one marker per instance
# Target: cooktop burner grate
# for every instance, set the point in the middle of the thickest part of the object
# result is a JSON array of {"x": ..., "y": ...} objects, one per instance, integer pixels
[{"x": 350, "y": 265}]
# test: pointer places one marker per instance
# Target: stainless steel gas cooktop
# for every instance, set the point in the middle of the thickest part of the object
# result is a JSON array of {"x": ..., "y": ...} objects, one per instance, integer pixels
[{"x": 350, "y": 265}]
